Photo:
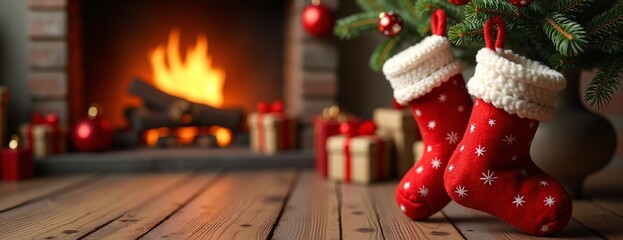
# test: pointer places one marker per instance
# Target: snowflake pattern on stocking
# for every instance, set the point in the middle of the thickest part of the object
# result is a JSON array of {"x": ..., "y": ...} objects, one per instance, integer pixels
[{"x": 497, "y": 164}]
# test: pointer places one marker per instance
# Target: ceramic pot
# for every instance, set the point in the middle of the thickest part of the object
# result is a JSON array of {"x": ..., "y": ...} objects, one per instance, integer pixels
[{"x": 575, "y": 143}]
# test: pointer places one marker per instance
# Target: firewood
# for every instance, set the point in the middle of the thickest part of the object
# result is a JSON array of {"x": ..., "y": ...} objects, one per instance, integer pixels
[{"x": 177, "y": 109}]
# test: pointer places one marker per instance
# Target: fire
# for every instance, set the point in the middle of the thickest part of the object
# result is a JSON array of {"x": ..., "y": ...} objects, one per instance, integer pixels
[{"x": 194, "y": 79}]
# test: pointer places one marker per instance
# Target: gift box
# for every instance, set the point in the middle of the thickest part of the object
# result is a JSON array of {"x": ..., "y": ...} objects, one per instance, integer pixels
[
  {"x": 16, "y": 163},
  {"x": 45, "y": 136},
  {"x": 398, "y": 125},
  {"x": 358, "y": 158},
  {"x": 4, "y": 101},
  {"x": 271, "y": 130},
  {"x": 325, "y": 126},
  {"x": 418, "y": 150}
]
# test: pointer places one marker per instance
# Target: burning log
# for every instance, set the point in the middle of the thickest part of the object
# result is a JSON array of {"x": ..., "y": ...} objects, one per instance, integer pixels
[{"x": 172, "y": 111}]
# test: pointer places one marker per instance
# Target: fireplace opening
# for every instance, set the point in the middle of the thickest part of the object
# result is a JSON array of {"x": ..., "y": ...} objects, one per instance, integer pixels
[{"x": 218, "y": 53}]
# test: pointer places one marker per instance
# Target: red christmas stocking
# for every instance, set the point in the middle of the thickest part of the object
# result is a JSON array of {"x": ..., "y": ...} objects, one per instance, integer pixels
[
  {"x": 492, "y": 170},
  {"x": 427, "y": 76}
]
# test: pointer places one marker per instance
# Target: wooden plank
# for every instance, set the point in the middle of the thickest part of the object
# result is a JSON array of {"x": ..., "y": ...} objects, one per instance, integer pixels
[
  {"x": 359, "y": 218},
  {"x": 605, "y": 188},
  {"x": 242, "y": 205},
  {"x": 138, "y": 221},
  {"x": 605, "y": 223},
  {"x": 475, "y": 224},
  {"x": 397, "y": 226},
  {"x": 312, "y": 212},
  {"x": 78, "y": 212},
  {"x": 13, "y": 194}
]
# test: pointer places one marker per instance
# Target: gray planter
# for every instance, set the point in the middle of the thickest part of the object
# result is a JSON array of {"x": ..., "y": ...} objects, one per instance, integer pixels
[{"x": 575, "y": 143}]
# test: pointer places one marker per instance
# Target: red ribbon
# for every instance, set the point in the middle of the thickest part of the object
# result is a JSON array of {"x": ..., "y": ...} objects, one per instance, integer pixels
[
  {"x": 367, "y": 128},
  {"x": 51, "y": 120},
  {"x": 501, "y": 37},
  {"x": 438, "y": 22},
  {"x": 275, "y": 108}
]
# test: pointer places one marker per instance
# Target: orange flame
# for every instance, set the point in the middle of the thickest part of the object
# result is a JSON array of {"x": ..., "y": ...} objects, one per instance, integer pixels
[{"x": 194, "y": 79}]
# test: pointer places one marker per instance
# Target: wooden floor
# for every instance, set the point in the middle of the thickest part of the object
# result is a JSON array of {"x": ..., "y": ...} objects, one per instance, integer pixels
[{"x": 280, "y": 204}]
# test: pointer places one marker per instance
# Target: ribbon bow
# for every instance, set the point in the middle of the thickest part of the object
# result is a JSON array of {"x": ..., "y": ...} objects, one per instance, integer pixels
[
  {"x": 351, "y": 130},
  {"x": 51, "y": 119},
  {"x": 274, "y": 107}
]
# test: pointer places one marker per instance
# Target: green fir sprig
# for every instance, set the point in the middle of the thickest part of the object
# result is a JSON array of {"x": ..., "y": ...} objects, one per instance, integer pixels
[
  {"x": 600, "y": 90},
  {"x": 567, "y": 35}
]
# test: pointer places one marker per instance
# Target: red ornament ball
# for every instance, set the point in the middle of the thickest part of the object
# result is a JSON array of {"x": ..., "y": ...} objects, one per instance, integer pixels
[
  {"x": 459, "y": 2},
  {"x": 317, "y": 20},
  {"x": 92, "y": 134},
  {"x": 521, "y": 3},
  {"x": 390, "y": 24}
]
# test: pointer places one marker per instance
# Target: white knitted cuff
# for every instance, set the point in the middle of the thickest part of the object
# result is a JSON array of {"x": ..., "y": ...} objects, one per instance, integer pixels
[
  {"x": 421, "y": 67},
  {"x": 516, "y": 84}
]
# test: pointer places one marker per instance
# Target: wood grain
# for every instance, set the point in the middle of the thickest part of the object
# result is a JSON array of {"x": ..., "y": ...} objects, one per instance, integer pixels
[
  {"x": 242, "y": 205},
  {"x": 606, "y": 223},
  {"x": 605, "y": 188},
  {"x": 475, "y": 224},
  {"x": 312, "y": 212},
  {"x": 16, "y": 193},
  {"x": 138, "y": 221},
  {"x": 359, "y": 218},
  {"x": 397, "y": 226},
  {"x": 78, "y": 212}
]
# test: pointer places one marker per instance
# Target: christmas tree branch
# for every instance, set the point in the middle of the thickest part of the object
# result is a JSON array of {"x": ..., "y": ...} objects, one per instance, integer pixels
[
  {"x": 384, "y": 51},
  {"x": 611, "y": 45},
  {"x": 425, "y": 8},
  {"x": 568, "y": 37},
  {"x": 572, "y": 6},
  {"x": 351, "y": 26},
  {"x": 466, "y": 33},
  {"x": 600, "y": 90},
  {"x": 409, "y": 8},
  {"x": 375, "y": 6},
  {"x": 481, "y": 10},
  {"x": 605, "y": 23}
]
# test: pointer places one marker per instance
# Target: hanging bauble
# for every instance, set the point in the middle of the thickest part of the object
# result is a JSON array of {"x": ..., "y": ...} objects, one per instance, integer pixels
[
  {"x": 390, "y": 24},
  {"x": 521, "y": 3},
  {"x": 317, "y": 19},
  {"x": 459, "y": 2}
]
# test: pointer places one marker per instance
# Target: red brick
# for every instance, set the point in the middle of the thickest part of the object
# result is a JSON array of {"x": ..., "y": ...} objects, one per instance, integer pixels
[
  {"x": 48, "y": 54},
  {"x": 47, "y": 24},
  {"x": 318, "y": 54},
  {"x": 47, "y": 4},
  {"x": 320, "y": 83},
  {"x": 47, "y": 85}
]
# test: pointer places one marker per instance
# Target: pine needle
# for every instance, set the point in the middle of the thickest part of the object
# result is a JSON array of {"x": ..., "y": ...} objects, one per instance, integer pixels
[
  {"x": 384, "y": 51},
  {"x": 605, "y": 24},
  {"x": 568, "y": 36},
  {"x": 600, "y": 90},
  {"x": 352, "y": 26}
]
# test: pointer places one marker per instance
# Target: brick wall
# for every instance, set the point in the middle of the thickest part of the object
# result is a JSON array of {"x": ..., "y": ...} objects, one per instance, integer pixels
[{"x": 48, "y": 56}]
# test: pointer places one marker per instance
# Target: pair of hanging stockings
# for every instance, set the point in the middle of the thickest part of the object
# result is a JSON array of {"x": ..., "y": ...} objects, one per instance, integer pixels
[{"x": 477, "y": 153}]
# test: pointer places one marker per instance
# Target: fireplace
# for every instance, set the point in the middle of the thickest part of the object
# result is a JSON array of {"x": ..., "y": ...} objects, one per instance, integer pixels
[{"x": 87, "y": 51}]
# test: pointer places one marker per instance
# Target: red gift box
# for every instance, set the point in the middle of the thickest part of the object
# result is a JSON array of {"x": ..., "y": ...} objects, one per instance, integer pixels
[
  {"x": 358, "y": 155},
  {"x": 44, "y": 135},
  {"x": 326, "y": 126},
  {"x": 16, "y": 162},
  {"x": 270, "y": 129}
]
